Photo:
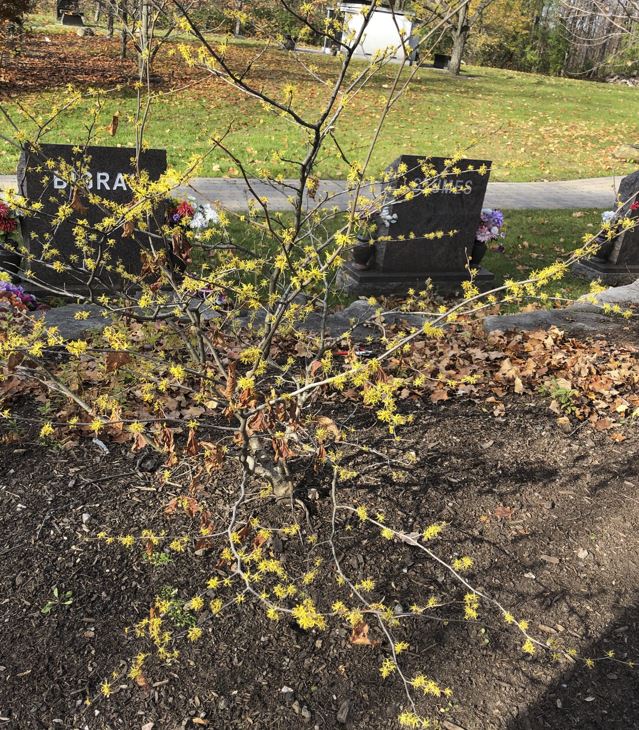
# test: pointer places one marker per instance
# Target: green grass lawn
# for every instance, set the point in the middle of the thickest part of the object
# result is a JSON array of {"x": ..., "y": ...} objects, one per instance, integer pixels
[
  {"x": 533, "y": 127},
  {"x": 537, "y": 238}
]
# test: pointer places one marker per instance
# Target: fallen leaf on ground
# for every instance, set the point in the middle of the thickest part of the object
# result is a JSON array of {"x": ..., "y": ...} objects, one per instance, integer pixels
[{"x": 359, "y": 635}]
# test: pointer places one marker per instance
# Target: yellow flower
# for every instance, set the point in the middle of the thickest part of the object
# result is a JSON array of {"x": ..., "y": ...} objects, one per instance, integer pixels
[
  {"x": 178, "y": 372},
  {"x": 106, "y": 688},
  {"x": 462, "y": 564},
  {"x": 46, "y": 430},
  {"x": 216, "y": 605},
  {"x": 307, "y": 616},
  {"x": 471, "y": 604},
  {"x": 196, "y": 603},
  {"x": 178, "y": 545},
  {"x": 387, "y": 668},
  {"x": 368, "y": 584},
  {"x": 433, "y": 530},
  {"x": 77, "y": 347},
  {"x": 194, "y": 633},
  {"x": 528, "y": 647}
]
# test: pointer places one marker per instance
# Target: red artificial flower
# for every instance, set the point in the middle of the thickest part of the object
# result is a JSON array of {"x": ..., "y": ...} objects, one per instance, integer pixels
[
  {"x": 185, "y": 209},
  {"x": 635, "y": 206},
  {"x": 7, "y": 223}
]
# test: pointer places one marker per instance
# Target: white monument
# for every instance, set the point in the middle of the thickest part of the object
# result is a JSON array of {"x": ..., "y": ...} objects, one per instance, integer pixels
[{"x": 387, "y": 31}]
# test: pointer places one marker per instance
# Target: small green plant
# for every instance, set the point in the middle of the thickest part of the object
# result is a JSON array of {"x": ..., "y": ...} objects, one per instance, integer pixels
[
  {"x": 59, "y": 599},
  {"x": 563, "y": 396},
  {"x": 158, "y": 559},
  {"x": 176, "y": 608}
]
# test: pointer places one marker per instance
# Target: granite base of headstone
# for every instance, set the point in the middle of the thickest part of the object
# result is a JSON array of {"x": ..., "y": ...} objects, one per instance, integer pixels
[
  {"x": 376, "y": 283},
  {"x": 104, "y": 172},
  {"x": 426, "y": 229},
  {"x": 441, "y": 60},
  {"x": 618, "y": 261}
]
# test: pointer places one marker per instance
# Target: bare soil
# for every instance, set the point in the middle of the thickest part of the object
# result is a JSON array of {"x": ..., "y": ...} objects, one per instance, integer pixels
[{"x": 550, "y": 518}]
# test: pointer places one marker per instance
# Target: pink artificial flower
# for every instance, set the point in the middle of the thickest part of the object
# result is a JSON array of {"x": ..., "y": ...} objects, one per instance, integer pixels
[{"x": 483, "y": 234}]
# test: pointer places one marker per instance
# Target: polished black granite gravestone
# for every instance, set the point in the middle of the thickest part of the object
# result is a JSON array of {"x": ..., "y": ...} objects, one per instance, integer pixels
[
  {"x": 425, "y": 236},
  {"x": 620, "y": 263},
  {"x": 104, "y": 171},
  {"x": 441, "y": 60}
]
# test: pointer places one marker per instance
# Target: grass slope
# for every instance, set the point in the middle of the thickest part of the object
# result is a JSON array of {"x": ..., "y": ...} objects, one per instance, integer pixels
[{"x": 533, "y": 127}]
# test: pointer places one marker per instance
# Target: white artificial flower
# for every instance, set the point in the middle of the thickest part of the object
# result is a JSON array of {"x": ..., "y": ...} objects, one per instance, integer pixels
[
  {"x": 388, "y": 216},
  {"x": 204, "y": 216}
]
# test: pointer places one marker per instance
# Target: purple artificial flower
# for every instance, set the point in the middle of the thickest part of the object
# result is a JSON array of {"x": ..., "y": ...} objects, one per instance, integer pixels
[
  {"x": 28, "y": 300},
  {"x": 493, "y": 218},
  {"x": 490, "y": 225}
]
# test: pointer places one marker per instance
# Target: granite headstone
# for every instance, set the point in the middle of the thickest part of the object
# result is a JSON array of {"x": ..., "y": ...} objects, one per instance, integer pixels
[
  {"x": 426, "y": 227},
  {"x": 620, "y": 263},
  {"x": 104, "y": 171}
]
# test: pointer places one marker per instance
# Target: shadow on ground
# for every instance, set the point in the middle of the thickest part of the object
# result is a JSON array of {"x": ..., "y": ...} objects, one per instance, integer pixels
[{"x": 606, "y": 696}]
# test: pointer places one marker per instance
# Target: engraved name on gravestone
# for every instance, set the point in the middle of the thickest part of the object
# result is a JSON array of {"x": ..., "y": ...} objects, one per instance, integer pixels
[
  {"x": 406, "y": 254},
  {"x": 104, "y": 174}
]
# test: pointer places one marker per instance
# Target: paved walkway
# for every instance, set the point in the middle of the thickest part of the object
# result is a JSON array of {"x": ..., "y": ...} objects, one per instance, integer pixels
[{"x": 234, "y": 194}]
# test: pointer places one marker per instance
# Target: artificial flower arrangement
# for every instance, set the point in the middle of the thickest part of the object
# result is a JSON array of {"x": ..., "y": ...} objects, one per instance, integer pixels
[
  {"x": 8, "y": 222},
  {"x": 10, "y": 240},
  {"x": 491, "y": 223},
  {"x": 13, "y": 296},
  {"x": 611, "y": 221},
  {"x": 198, "y": 217},
  {"x": 193, "y": 215},
  {"x": 188, "y": 215}
]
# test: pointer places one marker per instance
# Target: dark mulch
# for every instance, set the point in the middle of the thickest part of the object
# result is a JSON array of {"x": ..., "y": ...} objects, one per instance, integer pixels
[{"x": 551, "y": 520}]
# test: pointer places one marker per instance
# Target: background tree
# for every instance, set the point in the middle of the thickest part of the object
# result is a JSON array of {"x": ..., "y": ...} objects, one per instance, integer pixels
[
  {"x": 458, "y": 20},
  {"x": 13, "y": 11},
  {"x": 600, "y": 35}
]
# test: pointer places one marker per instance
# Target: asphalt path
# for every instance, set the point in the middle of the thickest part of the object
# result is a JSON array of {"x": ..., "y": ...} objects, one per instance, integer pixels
[{"x": 235, "y": 194}]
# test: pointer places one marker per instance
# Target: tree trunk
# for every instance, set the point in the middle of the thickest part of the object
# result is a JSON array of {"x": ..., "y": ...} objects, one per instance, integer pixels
[
  {"x": 238, "y": 27},
  {"x": 110, "y": 20},
  {"x": 98, "y": 10},
  {"x": 459, "y": 42},
  {"x": 124, "y": 17},
  {"x": 144, "y": 36}
]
